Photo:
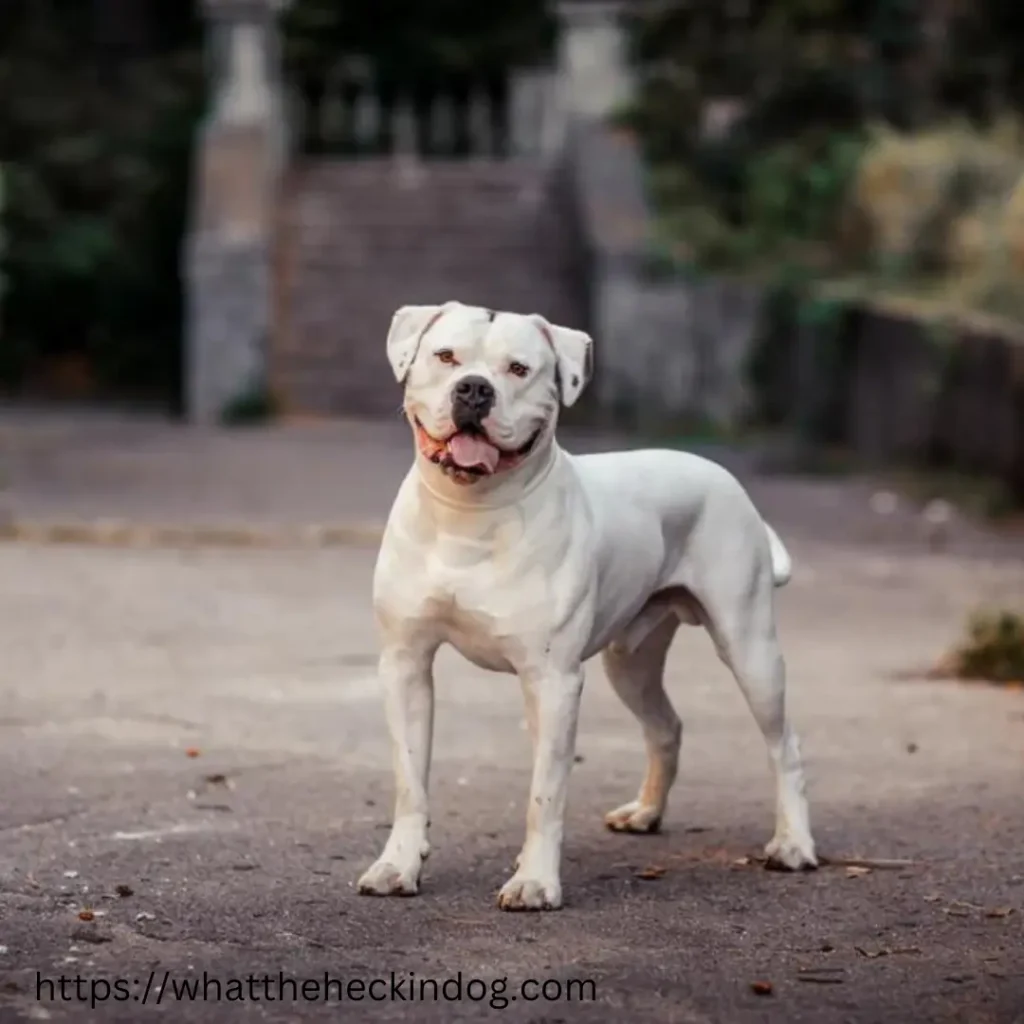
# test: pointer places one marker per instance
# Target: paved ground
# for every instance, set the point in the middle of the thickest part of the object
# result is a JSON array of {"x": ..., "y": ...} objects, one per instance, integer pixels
[
  {"x": 118, "y": 664},
  {"x": 74, "y": 468}
]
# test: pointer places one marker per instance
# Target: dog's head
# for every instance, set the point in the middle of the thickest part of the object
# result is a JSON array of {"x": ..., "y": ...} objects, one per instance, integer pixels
[{"x": 483, "y": 389}]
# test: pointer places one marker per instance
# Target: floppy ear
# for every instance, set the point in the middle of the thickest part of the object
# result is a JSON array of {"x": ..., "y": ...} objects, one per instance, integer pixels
[
  {"x": 408, "y": 326},
  {"x": 574, "y": 354}
]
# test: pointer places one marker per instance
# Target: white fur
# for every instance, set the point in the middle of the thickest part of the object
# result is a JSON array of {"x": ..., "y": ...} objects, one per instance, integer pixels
[{"x": 538, "y": 568}]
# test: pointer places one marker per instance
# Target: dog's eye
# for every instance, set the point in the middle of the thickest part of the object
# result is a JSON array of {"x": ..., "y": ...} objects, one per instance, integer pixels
[
  {"x": 518, "y": 369},
  {"x": 446, "y": 356}
]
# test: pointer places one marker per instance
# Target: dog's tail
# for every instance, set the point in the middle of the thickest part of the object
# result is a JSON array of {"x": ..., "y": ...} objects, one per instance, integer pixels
[{"x": 782, "y": 564}]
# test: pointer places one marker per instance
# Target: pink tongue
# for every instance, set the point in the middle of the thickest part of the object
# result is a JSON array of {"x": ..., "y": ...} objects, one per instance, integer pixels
[{"x": 470, "y": 451}]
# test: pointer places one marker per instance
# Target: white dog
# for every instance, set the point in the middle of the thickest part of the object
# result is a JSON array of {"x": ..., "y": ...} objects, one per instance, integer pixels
[{"x": 529, "y": 560}]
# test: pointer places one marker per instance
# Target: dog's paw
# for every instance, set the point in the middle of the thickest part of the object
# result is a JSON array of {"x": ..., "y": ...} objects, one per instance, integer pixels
[
  {"x": 789, "y": 853},
  {"x": 634, "y": 817},
  {"x": 385, "y": 879},
  {"x": 520, "y": 893}
]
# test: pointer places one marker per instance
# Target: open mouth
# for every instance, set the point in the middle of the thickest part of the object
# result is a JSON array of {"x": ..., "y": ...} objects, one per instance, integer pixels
[{"x": 469, "y": 454}]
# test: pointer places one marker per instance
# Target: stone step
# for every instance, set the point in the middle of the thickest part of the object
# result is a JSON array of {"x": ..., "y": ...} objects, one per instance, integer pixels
[{"x": 358, "y": 240}]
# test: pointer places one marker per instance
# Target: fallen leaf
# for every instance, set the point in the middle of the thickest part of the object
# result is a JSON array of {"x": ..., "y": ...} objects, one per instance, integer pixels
[
  {"x": 742, "y": 861},
  {"x": 761, "y": 988},
  {"x": 856, "y": 871},
  {"x": 124, "y": 891},
  {"x": 651, "y": 873},
  {"x": 145, "y": 915},
  {"x": 999, "y": 912},
  {"x": 192, "y": 751},
  {"x": 86, "y": 915}
]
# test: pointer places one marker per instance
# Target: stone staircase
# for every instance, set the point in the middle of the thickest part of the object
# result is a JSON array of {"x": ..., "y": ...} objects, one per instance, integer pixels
[{"x": 358, "y": 239}]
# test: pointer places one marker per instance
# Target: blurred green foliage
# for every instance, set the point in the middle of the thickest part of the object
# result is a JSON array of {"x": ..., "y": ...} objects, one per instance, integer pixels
[
  {"x": 755, "y": 113},
  {"x": 782, "y": 204},
  {"x": 96, "y": 149}
]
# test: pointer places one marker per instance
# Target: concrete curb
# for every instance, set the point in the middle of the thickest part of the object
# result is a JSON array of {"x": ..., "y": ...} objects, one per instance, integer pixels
[{"x": 119, "y": 534}]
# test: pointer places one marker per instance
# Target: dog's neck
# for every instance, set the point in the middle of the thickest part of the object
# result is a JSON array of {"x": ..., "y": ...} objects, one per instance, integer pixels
[{"x": 489, "y": 492}]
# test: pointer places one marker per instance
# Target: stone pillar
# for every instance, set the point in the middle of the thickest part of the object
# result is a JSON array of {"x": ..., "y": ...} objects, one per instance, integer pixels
[
  {"x": 593, "y": 64},
  {"x": 536, "y": 117},
  {"x": 228, "y": 256}
]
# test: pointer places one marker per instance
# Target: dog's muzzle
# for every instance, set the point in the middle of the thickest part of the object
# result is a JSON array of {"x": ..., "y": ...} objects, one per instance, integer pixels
[{"x": 472, "y": 399}]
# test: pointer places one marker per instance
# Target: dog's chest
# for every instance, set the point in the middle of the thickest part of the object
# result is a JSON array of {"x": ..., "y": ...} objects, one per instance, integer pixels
[
  {"x": 493, "y": 585},
  {"x": 486, "y": 617},
  {"x": 486, "y": 605},
  {"x": 480, "y": 637}
]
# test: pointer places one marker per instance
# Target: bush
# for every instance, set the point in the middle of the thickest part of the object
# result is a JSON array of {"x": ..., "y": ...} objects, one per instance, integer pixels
[
  {"x": 738, "y": 209},
  {"x": 942, "y": 212},
  {"x": 917, "y": 196},
  {"x": 993, "y": 650},
  {"x": 96, "y": 202},
  {"x": 795, "y": 176}
]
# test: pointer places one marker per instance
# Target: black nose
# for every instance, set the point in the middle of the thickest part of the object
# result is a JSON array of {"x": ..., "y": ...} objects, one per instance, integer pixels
[{"x": 472, "y": 398}]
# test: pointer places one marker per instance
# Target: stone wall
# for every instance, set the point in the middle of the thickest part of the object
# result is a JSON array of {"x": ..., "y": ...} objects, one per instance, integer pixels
[
  {"x": 951, "y": 398},
  {"x": 898, "y": 390},
  {"x": 668, "y": 349}
]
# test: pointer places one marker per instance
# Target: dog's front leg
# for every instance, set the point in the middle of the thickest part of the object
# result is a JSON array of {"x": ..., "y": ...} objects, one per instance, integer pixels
[
  {"x": 553, "y": 704},
  {"x": 409, "y": 702}
]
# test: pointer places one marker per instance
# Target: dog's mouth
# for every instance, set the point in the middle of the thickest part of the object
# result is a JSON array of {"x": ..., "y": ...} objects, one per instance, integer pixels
[{"x": 469, "y": 454}]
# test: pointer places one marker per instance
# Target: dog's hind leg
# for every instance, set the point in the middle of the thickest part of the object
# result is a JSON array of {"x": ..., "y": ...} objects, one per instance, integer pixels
[
  {"x": 740, "y": 616},
  {"x": 636, "y": 673}
]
